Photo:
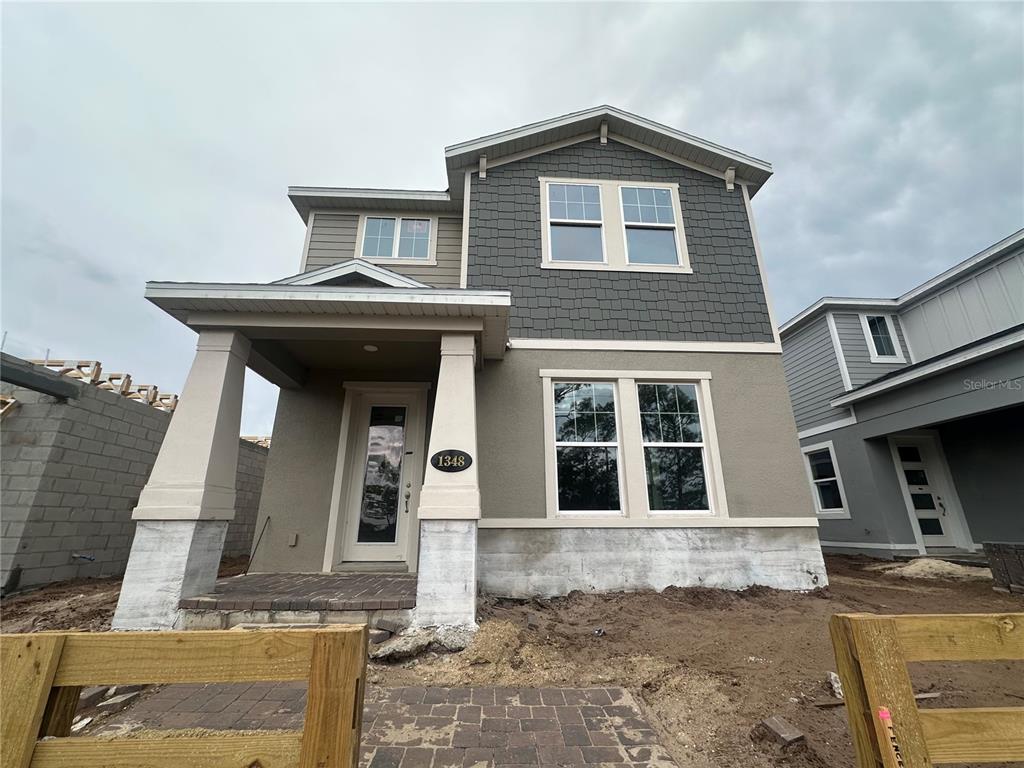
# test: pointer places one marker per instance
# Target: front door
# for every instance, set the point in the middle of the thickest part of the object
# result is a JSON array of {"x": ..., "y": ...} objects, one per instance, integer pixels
[
  {"x": 384, "y": 476},
  {"x": 926, "y": 490}
]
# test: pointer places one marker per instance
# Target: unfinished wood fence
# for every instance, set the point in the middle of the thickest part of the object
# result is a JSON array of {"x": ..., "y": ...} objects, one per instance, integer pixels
[
  {"x": 872, "y": 653},
  {"x": 43, "y": 674}
]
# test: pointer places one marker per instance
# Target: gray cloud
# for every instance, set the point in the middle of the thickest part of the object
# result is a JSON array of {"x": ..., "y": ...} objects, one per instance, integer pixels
[{"x": 156, "y": 141}]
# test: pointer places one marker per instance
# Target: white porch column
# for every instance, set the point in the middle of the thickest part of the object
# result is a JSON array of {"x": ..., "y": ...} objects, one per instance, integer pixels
[
  {"x": 450, "y": 501},
  {"x": 183, "y": 511}
]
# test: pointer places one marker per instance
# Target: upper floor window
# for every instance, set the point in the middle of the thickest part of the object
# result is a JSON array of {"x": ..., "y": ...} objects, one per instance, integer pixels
[
  {"x": 827, "y": 486},
  {"x": 880, "y": 334},
  {"x": 396, "y": 237},
  {"x": 650, "y": 221},
  {"x": 599, "y": 224},
  {"x": 574, "y": 212}
]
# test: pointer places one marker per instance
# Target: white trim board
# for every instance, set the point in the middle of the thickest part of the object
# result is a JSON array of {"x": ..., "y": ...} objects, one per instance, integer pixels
[
  {"x": 362, "y": 267},
  {"x": 844, "y": 371},
  {"x": 760, "y": 262},
  {"x": 948, "y": 362},
  {"x": 633, "y": 522},
  {"x": 626, "y": 345},
  {"x": 849, "y": 421},
  {"x": 869, "y": 339},
  {"x": 867, "y": 545},
  {"x": 826, "y": 514}
]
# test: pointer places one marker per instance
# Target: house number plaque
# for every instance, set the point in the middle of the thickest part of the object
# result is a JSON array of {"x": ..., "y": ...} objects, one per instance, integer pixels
[{"x": 451, "y": 460}]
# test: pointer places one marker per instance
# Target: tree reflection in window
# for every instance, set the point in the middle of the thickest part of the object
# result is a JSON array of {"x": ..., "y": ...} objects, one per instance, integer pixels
[
  {"x": 586, "y": 447},
  {"x": 673, "y": 448}
]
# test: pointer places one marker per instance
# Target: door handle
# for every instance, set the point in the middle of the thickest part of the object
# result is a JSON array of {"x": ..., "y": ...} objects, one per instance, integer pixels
[
  {"x": 942, "y": 506},
  {"x": 408, "y": 494}
]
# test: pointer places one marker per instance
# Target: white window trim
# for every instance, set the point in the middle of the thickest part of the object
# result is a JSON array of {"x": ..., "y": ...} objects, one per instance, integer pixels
[
  {"x": 682, "y": 255},
  {"x": 632, "y": 470},
  {"x": 431, "y": 259},
  {"x": 875, "y": 357},
  {"x": 612, "y": 221},
  {"x": 826, "y": 514}
]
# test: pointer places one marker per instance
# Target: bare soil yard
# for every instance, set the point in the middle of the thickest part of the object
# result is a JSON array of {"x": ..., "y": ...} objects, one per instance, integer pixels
[{"x": 707, "y": 665}]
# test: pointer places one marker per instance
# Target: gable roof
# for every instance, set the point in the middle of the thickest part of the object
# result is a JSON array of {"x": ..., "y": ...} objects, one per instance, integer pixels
[
  {"x": 914, "y": 295},
  {"x": 352, "y": 268},
  {"x": 533, "y": 138}
]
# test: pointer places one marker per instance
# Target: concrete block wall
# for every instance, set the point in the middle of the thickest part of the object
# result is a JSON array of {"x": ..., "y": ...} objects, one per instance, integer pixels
[
  {"x": 71, "y": 473},
  {"x": 252, "y": 465}
]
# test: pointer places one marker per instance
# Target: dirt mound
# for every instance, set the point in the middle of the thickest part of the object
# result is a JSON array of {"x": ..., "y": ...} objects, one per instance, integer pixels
[
  {"x": 930, "y": 568},
  {"x": 496, "y": 642}
]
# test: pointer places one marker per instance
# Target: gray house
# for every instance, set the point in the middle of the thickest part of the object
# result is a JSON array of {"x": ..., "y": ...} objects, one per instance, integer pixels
[
  {"x": 560, "y": 373},
  {"x": 911, "y": 410}
]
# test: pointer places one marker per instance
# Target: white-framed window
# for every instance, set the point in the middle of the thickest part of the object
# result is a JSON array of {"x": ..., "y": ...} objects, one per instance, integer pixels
[
  {"x": 402, "y": 239},
  {"x": 633, "y": 444},
  {"x": 880, "y": 335},
  {"x": 587, "y": 447},
  {"x": 673, "y": 440},
  {"x": 826, "y": 483},
  {"x": 649, "y": 221},
  {"x": 598, "y": 224},
  {"x": 575, "y": 231}
]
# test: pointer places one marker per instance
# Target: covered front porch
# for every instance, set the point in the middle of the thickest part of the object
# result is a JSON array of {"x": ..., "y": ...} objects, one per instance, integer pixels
[{"x": 375, "y": 379}]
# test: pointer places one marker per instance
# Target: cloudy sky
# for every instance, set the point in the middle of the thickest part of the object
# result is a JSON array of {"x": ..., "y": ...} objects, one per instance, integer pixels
[{"x": 155, "y": 142}]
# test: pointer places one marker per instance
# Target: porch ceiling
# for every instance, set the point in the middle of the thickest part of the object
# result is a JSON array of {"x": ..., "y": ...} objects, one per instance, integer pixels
[{"x": 282, "y": 320}]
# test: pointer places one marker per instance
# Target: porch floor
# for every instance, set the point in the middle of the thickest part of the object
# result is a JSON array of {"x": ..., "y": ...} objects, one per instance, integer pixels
[{"x": 308, "y": 592}]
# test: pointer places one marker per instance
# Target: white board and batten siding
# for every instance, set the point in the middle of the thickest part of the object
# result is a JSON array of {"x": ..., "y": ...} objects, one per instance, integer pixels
[
  {"x": 978, "y": 305},
  {"x": 813, "y": 376},
  {"x": 855, "y": 348},
  {"x": 333, "y": 240}
]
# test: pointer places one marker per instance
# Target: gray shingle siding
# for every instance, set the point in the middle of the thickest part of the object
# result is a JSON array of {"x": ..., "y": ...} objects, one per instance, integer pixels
[
  {"x": 813, "y": 376},
  {"x": 723, "y": 300},
  {"x": 856, "y": 353}
]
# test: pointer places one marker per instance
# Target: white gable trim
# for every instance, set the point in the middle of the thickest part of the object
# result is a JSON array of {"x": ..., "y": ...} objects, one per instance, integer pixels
[{"x": 365, "y": 269}]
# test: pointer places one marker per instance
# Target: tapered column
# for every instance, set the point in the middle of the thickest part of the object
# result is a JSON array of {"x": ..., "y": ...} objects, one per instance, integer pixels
[
  {"x": 184, "y": 509},
  {"x": 450, "y": 501}
]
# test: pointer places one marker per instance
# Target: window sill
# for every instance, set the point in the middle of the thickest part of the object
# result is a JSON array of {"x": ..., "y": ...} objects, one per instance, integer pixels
[
  {"x": 587, "y": 266},
  {"x": 384, "y": 260},
  {"x": 838, "y": 514},
  {"x": 887, "y": 360}
]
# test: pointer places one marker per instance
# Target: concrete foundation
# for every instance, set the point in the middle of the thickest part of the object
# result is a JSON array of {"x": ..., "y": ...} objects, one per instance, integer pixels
[
  {"x": 170, "y": 559},
  {"x": 446, "y": 580},
  {"x": 526, "y": 562}
]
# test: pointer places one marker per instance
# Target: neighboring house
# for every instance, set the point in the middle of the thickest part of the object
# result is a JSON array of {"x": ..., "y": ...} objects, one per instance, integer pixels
[
  {"x": 75, "y": 456},
  {"x": 562, "y": 373},
  {"x": 911, "y": 410}
]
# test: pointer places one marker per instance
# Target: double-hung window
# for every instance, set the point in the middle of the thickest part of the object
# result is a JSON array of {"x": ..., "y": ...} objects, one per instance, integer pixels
[
  {"x": 880, "y": 334},
  {"x": 631, "y": 444},
  {"x": 574, "y": 222},
  {"x": 601, "y": 224},
  {"x": 586, "y": 447},
  {"x": 648, "y": 215},
  {"x": 674, "y": 459},
  {"x": 396, "y": 237},
  {"x": 827, "y": 486}
]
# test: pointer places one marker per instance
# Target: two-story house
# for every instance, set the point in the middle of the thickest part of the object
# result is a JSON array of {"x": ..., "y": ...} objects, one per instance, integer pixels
[
  {"x": 561, "y": 373},
  {"x": 911, "y": 410}
]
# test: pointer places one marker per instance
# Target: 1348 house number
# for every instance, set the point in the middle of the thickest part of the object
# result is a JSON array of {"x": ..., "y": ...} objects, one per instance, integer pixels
[{"x": 451, "y": 460}]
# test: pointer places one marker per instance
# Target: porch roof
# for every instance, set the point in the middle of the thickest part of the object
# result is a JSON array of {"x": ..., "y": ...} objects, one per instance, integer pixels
[{"x": 249, "y": 306}]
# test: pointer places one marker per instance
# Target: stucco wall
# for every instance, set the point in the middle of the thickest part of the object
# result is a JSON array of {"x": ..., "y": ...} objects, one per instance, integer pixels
[
  {"x": 762, "y": 466},
  {"x": 300, "y": 476},
  {"x": 71, "y": 472}
]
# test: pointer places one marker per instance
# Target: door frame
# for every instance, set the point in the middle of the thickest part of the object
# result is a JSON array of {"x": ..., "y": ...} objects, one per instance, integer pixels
[
  {"x": 960, "y": 532},
  {"x": 338, "y": 520}
]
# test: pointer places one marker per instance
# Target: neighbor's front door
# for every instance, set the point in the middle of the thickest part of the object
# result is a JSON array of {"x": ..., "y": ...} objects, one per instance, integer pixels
[
  {"x": 925, "y": 484},
  {"x": 385, "y": 476}
]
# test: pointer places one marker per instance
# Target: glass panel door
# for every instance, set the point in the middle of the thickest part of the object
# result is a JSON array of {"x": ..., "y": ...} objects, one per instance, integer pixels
[
  {"x": 925, "y": 497},
  {"x": 379, "y": 506}
]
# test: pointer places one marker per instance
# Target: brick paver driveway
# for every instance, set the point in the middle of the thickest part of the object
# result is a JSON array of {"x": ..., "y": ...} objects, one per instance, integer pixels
[{"x": 434, "y": 727}]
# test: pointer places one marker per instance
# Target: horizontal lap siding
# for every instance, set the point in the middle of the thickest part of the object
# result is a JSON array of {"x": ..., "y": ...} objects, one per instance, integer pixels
[
  {"x": 333, "y": 240},
  {"x": 855, "y": 349},
  {"x": 812, "y": 374}
]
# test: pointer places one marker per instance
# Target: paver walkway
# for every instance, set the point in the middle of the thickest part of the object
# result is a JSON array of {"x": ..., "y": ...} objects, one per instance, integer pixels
[
  {"x": 308, "y": 592},
  {"x": 433, "y": 727}
]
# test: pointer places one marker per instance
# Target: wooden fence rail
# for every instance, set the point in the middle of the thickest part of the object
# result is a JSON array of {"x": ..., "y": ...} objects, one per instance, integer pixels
[
  {"x": 43, "y": 673},
  {"x": 872, "y": 653}
]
